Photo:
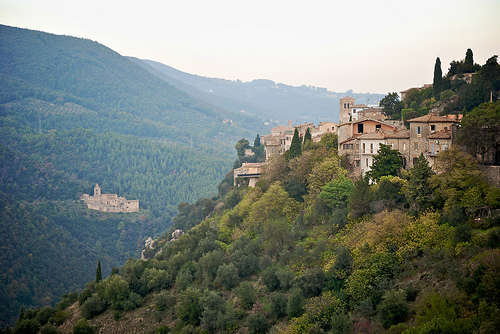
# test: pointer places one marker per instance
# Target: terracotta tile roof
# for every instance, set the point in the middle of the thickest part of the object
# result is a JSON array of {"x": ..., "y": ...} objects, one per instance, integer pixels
[
  {"x": 431, "y": 118},
  {"x": 403, "y": 133},
  {"x": 443, "y": 134},
  {"x": 348, "y": 140},
  {"x": 373, "y": 135}
]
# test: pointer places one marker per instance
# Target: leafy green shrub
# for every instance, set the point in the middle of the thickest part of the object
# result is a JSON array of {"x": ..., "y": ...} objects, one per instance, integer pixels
[
  {"x": 49, "y": 329},
  {"x": 411, "y": 293},
  {"x": 311, "y": 282},
  {"x": 67, "y": 300},
  {"x": 27, "y": 326},
  {"x": 246, "y": 295},
  {"x": 163, "y": 301},
  {"x": 44, "y": 315},
  {"x": 188, "y": 307},
  {"x": 278, "y": 305},
  {"x": 257, "y": 323},
  {"x": 213, "y": 308},
  {"x": 227, "y": 276},
  {"x": 93, "y": 306},
  {"x": 393, "y": 309},
  {"x": 295, "y": 304},
  {"x": 285, "y": 277},
  {"x": 270, "y": 279},
  {"x": 341, "y": 323},
  {"x": 133, "y": 301},
  {"x": 59, "y": 318},
  {"x": 83, "y": 327},
  {"x": 184, "y": 278},
  {"x": 162, "y": 330}
]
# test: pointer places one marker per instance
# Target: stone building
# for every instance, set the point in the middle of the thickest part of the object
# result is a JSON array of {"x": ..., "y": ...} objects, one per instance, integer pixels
[
  {"x": 431, "y": 134},
  {"x": 109, "y": 202},
  {"x": 249, "y": 170},
  {"x": 364, "y": 129},
  {"x": 370, "y": 144}
]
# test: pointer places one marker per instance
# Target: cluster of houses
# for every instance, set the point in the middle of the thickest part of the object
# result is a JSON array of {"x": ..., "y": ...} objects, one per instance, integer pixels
[{"x": 361, "y": 130}]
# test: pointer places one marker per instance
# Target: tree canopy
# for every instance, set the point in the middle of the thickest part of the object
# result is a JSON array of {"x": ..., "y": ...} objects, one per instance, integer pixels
[{"x": 387, "y": 161}]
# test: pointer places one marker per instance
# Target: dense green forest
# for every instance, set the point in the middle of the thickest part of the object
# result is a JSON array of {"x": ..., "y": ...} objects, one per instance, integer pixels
[
  {"x": 311, "y": 250},
  {"x": 74, "y": 113}
]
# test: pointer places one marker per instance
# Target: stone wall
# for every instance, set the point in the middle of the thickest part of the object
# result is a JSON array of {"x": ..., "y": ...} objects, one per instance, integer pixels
[{"x": 492, "y": 174}]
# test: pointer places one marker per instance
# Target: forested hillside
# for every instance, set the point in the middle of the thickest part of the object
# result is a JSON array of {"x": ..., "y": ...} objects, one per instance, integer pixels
[
  {"x": 264, "y": 98},
  {"x": 74, "y": 113},
  {"x": 311, "y": 250}
]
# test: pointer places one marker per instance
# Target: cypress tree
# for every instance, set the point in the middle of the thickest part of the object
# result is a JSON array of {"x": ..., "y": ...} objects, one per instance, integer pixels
[
  {"x": 98, "y": 274},
  {"x": 296, "y": 146},
  {"x": 307, "y": 139},
  {"x": 438, "y": 78},
  {"x": 256, "y": 142},
  {"x": 469, "y": 61}
]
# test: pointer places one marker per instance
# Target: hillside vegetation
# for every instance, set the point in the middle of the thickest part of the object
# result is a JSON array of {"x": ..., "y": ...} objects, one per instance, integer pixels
[
  {"x": 310, "y": 250},
  {"x": 74, "y": 113}
]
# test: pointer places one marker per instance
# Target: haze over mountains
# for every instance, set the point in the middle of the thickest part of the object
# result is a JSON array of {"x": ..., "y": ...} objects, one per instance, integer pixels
[
  {"x": 74, "y": 113},
  {"x": 274, "y": 102}
]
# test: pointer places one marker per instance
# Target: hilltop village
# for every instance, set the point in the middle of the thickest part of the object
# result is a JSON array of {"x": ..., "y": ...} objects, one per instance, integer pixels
[{"x": 360, "y": 131}]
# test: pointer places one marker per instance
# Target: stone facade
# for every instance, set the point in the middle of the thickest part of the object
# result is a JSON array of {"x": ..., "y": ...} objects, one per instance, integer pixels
[
  {"x": 365, "y": 129},
  {"x": 251, "y": 171},
  {"x": 431, "y": 134},
  {"x": 109, "y": 202}
]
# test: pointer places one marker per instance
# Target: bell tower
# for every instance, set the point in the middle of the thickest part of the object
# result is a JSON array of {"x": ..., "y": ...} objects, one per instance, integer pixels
[
  {"x": 97, "y": 190},
  {"x": 346, "y": 105}
]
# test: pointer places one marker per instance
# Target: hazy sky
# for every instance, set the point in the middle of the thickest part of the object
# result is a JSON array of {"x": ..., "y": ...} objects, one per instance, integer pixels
[{"x": 375, "y": 46}]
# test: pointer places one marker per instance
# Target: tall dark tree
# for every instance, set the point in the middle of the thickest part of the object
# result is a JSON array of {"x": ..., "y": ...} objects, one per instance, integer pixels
[
  {"x": 307, "y": 139},
  {"x": 469, "y": 61},
  {"x": 256, "y": 142},
  {"x": 418, "y": 191},
  {"x": 98, "y": 273},
  {"x": 438, "y": 78},
  {"x": 386, "y": 162},
  {"x": 296, "y": 146}
]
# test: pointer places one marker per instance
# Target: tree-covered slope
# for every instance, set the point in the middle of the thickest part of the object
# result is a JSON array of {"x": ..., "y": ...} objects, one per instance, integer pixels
[
  {"x": 74, "y": 113},
  {"x": 310, "y": 250}
]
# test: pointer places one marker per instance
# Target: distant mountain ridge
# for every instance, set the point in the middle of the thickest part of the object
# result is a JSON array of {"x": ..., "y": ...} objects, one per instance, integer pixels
[{"x": 263, "y": 98}]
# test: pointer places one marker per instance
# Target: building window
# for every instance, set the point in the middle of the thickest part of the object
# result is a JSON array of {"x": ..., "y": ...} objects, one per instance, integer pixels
[
  {"x": 433, "y": 127},
  {"x": 371, "y": 148},
  {"x": 377, "y": 127},
  {"x": 364, "y": 147},
  {"x": 357, "y": 163},
  {"x": 418, "y": 130},
  {"x": 416, "y": 146},
  {"x": 367, "y": 165},
  {"x": 360, "y": 128}
]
